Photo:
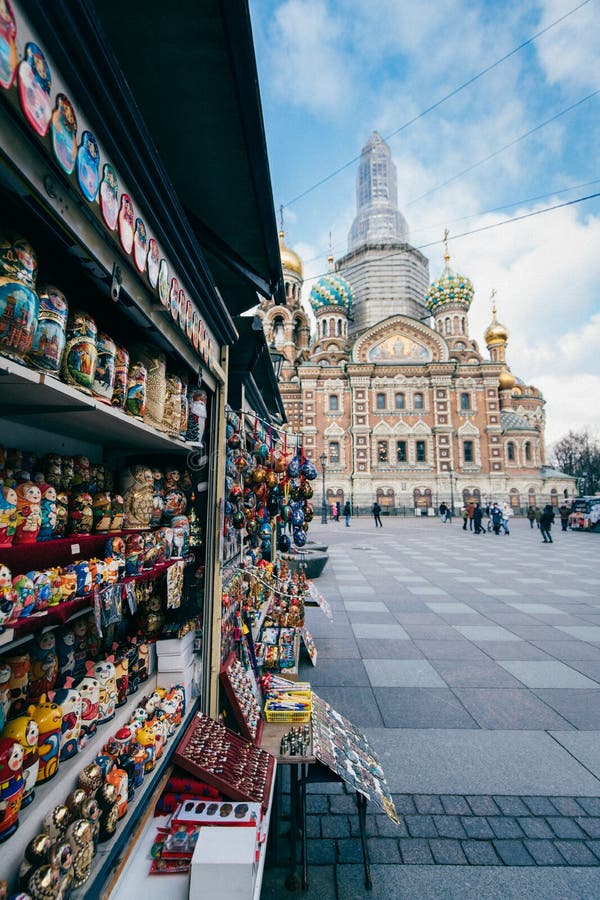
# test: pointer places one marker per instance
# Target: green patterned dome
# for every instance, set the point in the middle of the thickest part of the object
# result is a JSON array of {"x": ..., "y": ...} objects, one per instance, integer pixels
[
  {"x": 450, "y": 287},
  {"x": 331, "y": 290}
]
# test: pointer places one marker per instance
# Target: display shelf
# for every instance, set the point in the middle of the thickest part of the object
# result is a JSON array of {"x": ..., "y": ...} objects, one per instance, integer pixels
[
  {"x": 59, "y": 551},
  {"x": 54, "y": 792},
  {"x": 33, "y": 397},
  {"x": 232, "y": 690},
  {"x": 261, "y": 618}
]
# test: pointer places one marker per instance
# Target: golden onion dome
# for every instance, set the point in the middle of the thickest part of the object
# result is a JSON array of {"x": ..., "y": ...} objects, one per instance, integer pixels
[
  {"x": 495, "y": 333},
  {"x": 289, "y": 260},
  {"x": 506, "y": 380}
]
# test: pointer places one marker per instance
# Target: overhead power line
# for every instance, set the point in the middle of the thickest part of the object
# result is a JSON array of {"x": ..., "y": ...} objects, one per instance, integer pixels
[{"x": 443, "y": 99}]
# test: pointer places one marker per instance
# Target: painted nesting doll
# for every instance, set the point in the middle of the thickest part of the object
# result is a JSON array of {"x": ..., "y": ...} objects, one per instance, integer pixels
[
  {"x": 155, "y": 363},
  {"x": 63, "y": 127},
  {"x": 171, "y": 422},
  {"x": 71, "y": 705},
  {"x": 122, "y": 673},
  {"x": 101, "y": 510},
  {"x": 20, "y": 668},
  {"x": 137, "y": 485},
  {"x": 79, "y": 363},
  {"x": 48, "y": 717},
  {"x": 62, "y": 514},
  {"x": 104, "y": 376},
  {"x": 119, "y": 395},
  {"x": 196, "y": 424},
  {"x": 19, "y": 303},
  {"x": 146, "y": 739},
  {"x": 25, "y": 731},
  {"x": 65, "y": 649},
  {"x": 50, "y": 331},
  {"x": 49, "y": 512},
  {"x": 29, "y": 513},
  {"x": 8, "y": 46},
  {"x": 25, "y": 592},
  {"x": 105, "y": 672},
  {"x": 42, "y": 589},
  {"x": 89, "y": 690},
  {"x": 116, "y": 513},
  {"x": 137, "y": 378},
  {"x": 134, "y": 554},
  {"x": 8, "y": 598},
  {"x": 181, "y": 536},
  {"x": 44, "y": 665},
  {"x": 88, "y": 166},
  {"x": 81, "y": 513},
  {"x": 11, "y": 785},
  {"x": 80, "y": 836},
  {"x": 8, "y": 514},
  {"x": 5, "y": 691}
]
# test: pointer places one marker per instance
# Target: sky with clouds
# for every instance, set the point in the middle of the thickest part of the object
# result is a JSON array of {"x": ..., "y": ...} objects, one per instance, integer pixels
[{"x": 332, "y": 71}]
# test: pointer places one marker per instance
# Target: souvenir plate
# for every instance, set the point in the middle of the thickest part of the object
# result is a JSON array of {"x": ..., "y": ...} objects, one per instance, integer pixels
[
  {"x": 126, "y": 223},
  {"x": 140, "y": 245},
  {"x": 174, "y": 299},
  {"x": 153, "y": 262},
  {"x": 35, "y": 84},
  {"x": 88, "y": 166},
  {"x": 64, "y": 133},
  {"x": 109, "y": 196},
  {"x": 8, "y": 47},
  {"x": 163, "y": 283}
]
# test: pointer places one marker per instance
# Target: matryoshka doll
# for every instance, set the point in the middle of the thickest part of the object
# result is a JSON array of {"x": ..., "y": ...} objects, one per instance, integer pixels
[
  {"x": 18, "y": 686},
  {"x": 144, "y": 660},
  {"x": 137, "y": 487},
  {"x": 49, "y": 512},
  {"x": 11, "y": 785},
  {"x": 101, "y": 510},
  {"x": 134, "y": 554},
  {"x": 5, "y": 674},
  {"x": 164, "y": 536},
  {"x": 25, "y": 592},
  {"x": 121, "y": 662},
  {"x": 135, "y": 403},
  {"x": 29, "y": 513},
  {"x": 171, "y": 422},
  {"x": 105, "y": 672},
  {"x": 146, "y": 739},
  {"x": 79, "y": 363},
  {"x": 8, "y": 598},
  {"x": 8, "y": 514},
  {"x": 8, "y": 56},
  {"x": 104, "y": 377},
  {"x": 25, "y": 731},
  {"x": 80, "y": 836},
  {"x": 42, "y": 589},
  {"x": 88, "y": 166},
  {"x": 50, "y": 332},
  {"x": 81, "y": 513},
  {"x": 120, "y": 781},
  {"x": 181, "y": 536},
  {"x": 89, "y": 690},
  {"x": 62, "y": 514},
  {"x": 133, "y": 658},
  {"x": 63, "y": 127},
  {"x": 48, "y": 717},
  {"x": 119, "y": 395},
  {"x": 19, "y": 303},
  {"x": 44, "y": 665},
  {"x": 65, "y": 648},
  {"x": 80, "y": 632},
  {"x": 71, "y": 705},
  {"x": 116, "y": 513},
  {"x": 197, "y": 399}
]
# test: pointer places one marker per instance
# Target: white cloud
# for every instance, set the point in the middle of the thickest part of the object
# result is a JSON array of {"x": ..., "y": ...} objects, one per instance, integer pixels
[
  {"x": 568, "y": 53},
  {"x": 570, "y": 404}
]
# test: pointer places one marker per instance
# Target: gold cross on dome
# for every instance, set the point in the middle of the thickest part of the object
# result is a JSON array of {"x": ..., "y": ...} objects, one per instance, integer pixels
[
  {"x": 493, "y": 299},
  {"x": 446, "y": 254}
]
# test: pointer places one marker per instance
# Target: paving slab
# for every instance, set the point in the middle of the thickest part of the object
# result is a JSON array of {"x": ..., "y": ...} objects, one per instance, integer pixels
[
  {"x": 365, "y": 605},
  {"x": 368, "y": 630},
  {"x": 421, "y": 708},
  {"x": 402, "y": 673},
  {"x": 474, "y": 673},
  {"x": 547, "y": 674},
  {"x": 582, "y": 632},
  {"x": 482, "y": 633},
  {"x": 508, "y": 708}
]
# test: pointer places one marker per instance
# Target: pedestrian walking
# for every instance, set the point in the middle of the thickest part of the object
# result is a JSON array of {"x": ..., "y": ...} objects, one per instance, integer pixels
[
  {"x": 546, "y": 520},
  {"x": 347, "y": 513},
  {"x": 377, "y": 514},
  {"x": 470, "y": 510},
  {"x": 564, "y": 517},
  {"x": 477, "y": 517},
  {"x": 506, "y": 515},
  {"x": 465, "y": 517},
  {"x": 338, "y": 510},
  {"x": 531, "y": 515},
  {"x": 496, "y": 516},
  {"x": 538, "y": 516},
  {"x": 443, "y": 512}
]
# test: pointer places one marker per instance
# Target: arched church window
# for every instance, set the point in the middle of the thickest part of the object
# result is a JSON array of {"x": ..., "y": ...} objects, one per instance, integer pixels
[
  {"x": 463, "y": 323},
  {"x": 448, "y": 326},
  {"x": 455, "y": 322},
  {"x": 324, "y": 327},
  {"x": 465, "y": 401},
  {"x": 510, "y": 451},
  {"x": 418, "y": 401},
  {"x": 278, "y": 331},
  {"x": 332, "y": 327},
  {"x": 400, "y": 401},
  {"x": 339, "y": 327},
  {"x": 528, "y": 451},
  {"x": 380, "y": 401},
  {"x": 334, "y": 402}
]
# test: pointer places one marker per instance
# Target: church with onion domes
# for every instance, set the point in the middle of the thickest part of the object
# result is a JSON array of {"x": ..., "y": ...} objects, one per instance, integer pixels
[{"x": 388, "y": 382}]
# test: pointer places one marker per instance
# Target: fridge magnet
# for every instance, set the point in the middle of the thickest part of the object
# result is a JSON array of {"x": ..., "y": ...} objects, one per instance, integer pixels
[
  {"x": 153, "y": 262},
  {"x": 140, "y": 245},
  {"x": 35, "y": 83},
  {"x": 181, "y": 309},
  {"x": 64, "y": 133},
  {"x": 195, "y": 329},
  {"x": 189, "y": 319},
  {"x": 88, "y": 166},
  {"x": 174, "y": 299},
  {"x": 126, "y": 223},
  {"x": 50, "y": 331},
  {"x": 109, "y": 196},
  {"x": 163, "y": 283},
  {"x": 8, "y": 47}
]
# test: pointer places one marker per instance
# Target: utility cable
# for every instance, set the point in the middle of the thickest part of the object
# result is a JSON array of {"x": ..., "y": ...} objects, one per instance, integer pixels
[{"x": 443, "y": 99}]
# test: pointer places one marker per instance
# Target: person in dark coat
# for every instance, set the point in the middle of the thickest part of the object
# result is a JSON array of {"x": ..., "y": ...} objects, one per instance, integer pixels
[
  {"x": 546, "y": 524},
  {"x": 377, "y": 514},
  {"x": 564, "y": 517},
  {"x": 477, "y": 517},
  {"x": 347, "y": 513},
  {"x": 496, "y": 515}
]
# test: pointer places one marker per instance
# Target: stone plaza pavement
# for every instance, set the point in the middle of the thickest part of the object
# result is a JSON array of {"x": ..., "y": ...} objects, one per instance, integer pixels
[{"x": 472, "y": 663}]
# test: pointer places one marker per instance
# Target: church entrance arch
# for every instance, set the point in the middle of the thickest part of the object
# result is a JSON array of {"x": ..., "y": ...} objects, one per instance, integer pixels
[
  {"x": 471, "y": 495},
  {"x": 386, "y": 498},
  {"x": 422, "y": 500}
]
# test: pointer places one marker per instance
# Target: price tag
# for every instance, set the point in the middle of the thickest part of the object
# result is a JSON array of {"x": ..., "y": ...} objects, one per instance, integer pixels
[{"x": 75, "y": 549}]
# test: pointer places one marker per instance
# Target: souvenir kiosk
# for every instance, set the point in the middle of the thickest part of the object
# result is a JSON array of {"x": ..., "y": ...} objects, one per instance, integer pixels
[{"x": 114, "y": 337}]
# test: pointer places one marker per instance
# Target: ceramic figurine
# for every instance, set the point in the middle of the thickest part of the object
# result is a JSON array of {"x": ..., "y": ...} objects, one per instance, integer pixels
[
  {"x": 135, "y": 403},
  {"x": 140, "y": 245},
  {"x": 63, "y": 127},
  {"x": 196, "y": 424},
  {"x": 62, "y": 514},
  {"x": 122, "y": 673},
  {"x": 126, "y": 223},
  {"x": 42, "y": 589},
  {"x": 65, "y": 649},
  {"x": 109, "y": 196},
  {"x": 71, "y": 705},
  {"x": 171, "y": 422},
  {"x": 48, "y": 511},
  {"x": 81, "y": 514},
  {"x": 146, "y": 738},
  {"x": 11, "y": 785},
  {"x": 79, "y": 362},
  {"x": 48, "y": 717},
  {"x": 80, "y": 837},
  {"x": 8, "y": 514},
  {"x": 104, "y": 671},
  {"x": 44, "y": 665},
  {"x": 29, "y": 513},
  {"x": 25, "y": 731},
  {"x": 8, "y": 598},
  {"x": 50, "y": 331},
  {"x": 8, "y": 56},
  {"x": 88, "y": 166},
  {"x": 155, "y": 363},
  {"x": 101, "y": 511},
  {"x": 119, "y": 395},
  {"x": 119, "y": 780},
  {"x": 134, "y": 554},
  {"x": 137, "y": 484},
  {"x": 20, "y": 667},
  {"x": 104, "y": 377},
  {"x": 153, "y": 262},
  {"x": 181, "y": 536},
  {"x": 25, "y": 592}
]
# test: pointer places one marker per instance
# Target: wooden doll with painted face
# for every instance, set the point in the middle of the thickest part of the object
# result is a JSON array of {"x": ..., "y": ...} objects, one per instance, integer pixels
[
  {"x": 71, "y": 704},
  {"x": 29, "y": 513},
  {"x": 89, "y": 690},
  {"x": 48, "y": 717},
  {"x": 11, "y": 786},
  {"x": 104, "y": 671},
  {"x": 25, "y": 731}
]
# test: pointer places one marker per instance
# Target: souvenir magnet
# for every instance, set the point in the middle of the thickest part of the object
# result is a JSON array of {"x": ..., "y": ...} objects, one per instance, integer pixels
[
  {"x": 88, "y": 166},
  {"x": 140, "y": 245},
  {"x": 153, "y": 262},
  {"x": 174, "y": 299},
  {"x": 189, "y": 319},
  {"x": 163, "y": 283},
  {"x": 195, "y": 329},
  {"x": 182, "y": 309},
  {"x": 8, "y": 48},
  {"x": 126, "y": 223},
  {"x": 109, "y": 196},
  {"x": 64, "y": 133},
  {"x": 35, "y": 83}
]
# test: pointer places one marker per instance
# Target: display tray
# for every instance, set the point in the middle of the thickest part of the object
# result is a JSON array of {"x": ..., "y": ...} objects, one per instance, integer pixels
[
  {"x": 242, "y": 695},
  {"x": 241, "y": 771},
  {"x": 271, "y": 742}
]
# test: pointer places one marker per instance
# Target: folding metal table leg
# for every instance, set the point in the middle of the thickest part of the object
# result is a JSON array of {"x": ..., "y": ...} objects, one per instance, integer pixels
[
  {"x": 361, "y": 802},
  {"x": 292, "y": 882}
]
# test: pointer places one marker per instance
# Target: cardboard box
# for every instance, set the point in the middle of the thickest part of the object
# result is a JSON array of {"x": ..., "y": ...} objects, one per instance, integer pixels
[
  {"x": 223, "y": 864},
  {"x": 174, "y": 646}
]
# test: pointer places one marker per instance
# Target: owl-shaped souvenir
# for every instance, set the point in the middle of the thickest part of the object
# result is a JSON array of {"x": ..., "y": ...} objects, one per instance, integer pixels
[{"x": 104, "y": 672}]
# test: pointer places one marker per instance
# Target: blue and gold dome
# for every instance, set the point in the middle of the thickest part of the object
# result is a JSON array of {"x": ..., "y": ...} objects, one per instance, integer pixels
[
  {"x": 331, "y": 290},
  {"x": 450, "y": 287}
]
